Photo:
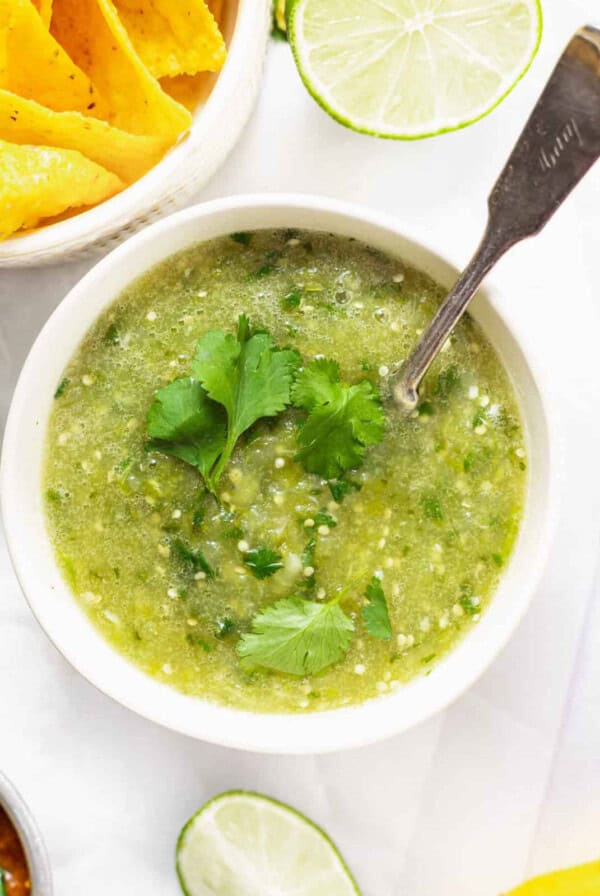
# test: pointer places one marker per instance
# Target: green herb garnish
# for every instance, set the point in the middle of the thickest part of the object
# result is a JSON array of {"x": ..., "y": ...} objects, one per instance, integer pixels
[
  {"x": 223, "y": 627},
  {"x": 111, "y": 337},
  {"x": 60, "y": 389},
  {"x": 263, "y": 562},
  {"x": 342, "y": 419},
  {"x": 340, "y": 488},
  {"x": 432, "y": 508},
  {"x": 192, "y": 558},
  {"x": 236, "y": 381},
  {"x": 375, "y": 613},
  {"x": 242, "y": 238},
  {"x": 297, "y": 636},
  {"x": 324, "y": 519},
  {"x": 2, "y": 882}
]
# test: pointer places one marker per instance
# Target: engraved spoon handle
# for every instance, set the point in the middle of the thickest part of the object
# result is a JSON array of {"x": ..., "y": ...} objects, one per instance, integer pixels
[{"x": 558, "y": 145}]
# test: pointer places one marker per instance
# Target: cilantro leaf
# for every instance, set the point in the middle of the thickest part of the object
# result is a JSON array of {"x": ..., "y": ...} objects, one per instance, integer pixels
[
  {"x": 192, "y": 559},
  {"x": 247, "y": 374},
  {"x": 263, "y": 562},
  {"x": 300, "y": 637},
  {"x": 185, "y": 423},
  {"x": 375, "y": 613},
  {"x": 339, "y": 488},
  {"x": 324, "y": 519},
  {"x": 342, "y": 419}
]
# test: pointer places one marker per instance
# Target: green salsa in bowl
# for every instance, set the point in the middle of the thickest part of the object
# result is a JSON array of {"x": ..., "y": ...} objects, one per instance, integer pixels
[{"x": 256, "y": 546}]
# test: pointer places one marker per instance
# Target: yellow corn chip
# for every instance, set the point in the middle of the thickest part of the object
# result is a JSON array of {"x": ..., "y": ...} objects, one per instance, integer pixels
[
  {"x": 37, "y": 182},
  {"x": 128, "y": 155},
  {"x": 94, "y": 37},
  {"x": 216, "y": 7},
  {"x": 189, "y": 90},
  {"x": 44, "y": 7},
  {"x": 583, "y": 880},
  {"x": 173, "y": 38},
  {"x": 35, "y": 66}
]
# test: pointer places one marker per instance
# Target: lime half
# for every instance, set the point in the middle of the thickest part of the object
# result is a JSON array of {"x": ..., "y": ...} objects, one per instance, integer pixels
[
  {"x": 244, "y": 844},
  {"x": 412, "y": 68}
]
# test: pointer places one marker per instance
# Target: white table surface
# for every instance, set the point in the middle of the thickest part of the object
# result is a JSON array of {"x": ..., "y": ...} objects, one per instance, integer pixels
[{"x": 504, "y": 783}]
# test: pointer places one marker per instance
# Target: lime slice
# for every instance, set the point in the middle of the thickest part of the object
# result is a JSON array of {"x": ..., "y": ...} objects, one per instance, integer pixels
[
  {"x": 244, "y": 844},
  {"x": 412, "y": 68}
]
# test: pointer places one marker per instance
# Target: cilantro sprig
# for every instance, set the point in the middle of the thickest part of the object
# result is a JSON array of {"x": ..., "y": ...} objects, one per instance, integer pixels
[
  {"x": 375, "y": 612},
  {"x": 263, "y": 562},
  {"x": 297, "y": 636},
  {"x": 236, "y": 380},
  {"x": 303, "y": 637},
  {"x": 342, "y": 419}
]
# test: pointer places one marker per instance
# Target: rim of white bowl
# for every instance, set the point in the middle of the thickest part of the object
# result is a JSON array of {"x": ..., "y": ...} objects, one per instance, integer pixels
[
  {"x": 218, "y": 124},
  {"x": 78, "y": 640}
]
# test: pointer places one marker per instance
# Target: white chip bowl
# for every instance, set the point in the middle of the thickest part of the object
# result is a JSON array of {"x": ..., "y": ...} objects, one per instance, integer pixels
[
  {"x": 217, "y": 125},
  {"x": 69, "y": 628}
]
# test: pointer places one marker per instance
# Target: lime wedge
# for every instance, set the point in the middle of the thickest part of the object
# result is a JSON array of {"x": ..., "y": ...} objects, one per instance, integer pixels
[
  {"x": 412, "y": 68},
  {"x": 244, "y": 844}
]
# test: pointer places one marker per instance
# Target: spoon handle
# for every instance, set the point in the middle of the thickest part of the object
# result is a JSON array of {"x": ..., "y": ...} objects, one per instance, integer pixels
[{"x": 558, "y": 145}]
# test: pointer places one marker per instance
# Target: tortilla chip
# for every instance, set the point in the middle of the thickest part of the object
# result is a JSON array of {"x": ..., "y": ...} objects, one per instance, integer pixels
[
  {"x": 44, "y": 7},
  {"x": 189, "y": 90},
  {"x": 216, "y": 7},
  {"x": 94, "y": 37},
  {"x": 39, "y": 181},
  {"x": 173, "y": 38},
  {"x": 35, "y": 66},
  {"x": 127, "y": 155}
]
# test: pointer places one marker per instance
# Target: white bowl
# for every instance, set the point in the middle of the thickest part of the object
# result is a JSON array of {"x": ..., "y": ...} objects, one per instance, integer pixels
[
  {"x": 171, "y": 183},
  {"x": 69, "y": 628},
  {"x": 30, "y": 837}
]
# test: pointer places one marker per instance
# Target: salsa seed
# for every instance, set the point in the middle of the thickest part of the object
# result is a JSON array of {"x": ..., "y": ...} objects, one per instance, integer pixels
[
  {"x": 443, "y": 621},
  {"x": 172, "y": 363},
  {"x": 63, "y": 438},
  {"x": 383, "y": 370},
  {"x": 309, "y": 523},
  {"x": 321, "y": 593},
  {"x": 398, "y": 278},
  {"x": 381, "y": 543},
  {"x": 519, "y": 452},
  {"x": 131, "y": 424},
  {"x": 243, "y": 546},
  {"x": 387, "y": 676},
  {"x": 396, "y": 589},
  {"x": 332, "y": 506},
  {"x": 438, "y": 548},
  {"x": 176, "y": 515},
  {"x": 152, "y": 315},
  {"x": 323, "y": 530},
  {"x": 484, "y": 401},
  {"x": 172, "y": 593},
  {"x": 112, "y": 617},
  {"x": 359, "y": 305},
  {"x": 378, "y": 574},
  {"x": 308, "y": 572},
  {"x": 473, "y": 391},
  {"x": 279, "y": 463},
  {"x": 167, "y": 669},
  {"x": 303, "y": 704},
  {"x": 200, "y": 576},
  {"x": 192, "y": 622},
  {"x": 425, "y": 624},
  {"x": 202, "y": 294},
  {"x": 239, "y": 570},
  {"x": 164, "y": 550},
  {"x": 294, "y": 241},
  {"x": 382, "y": 687},
  {"x": 90, "y": 598},
  {"x": 389, "y": 562},
  {"x": 385, "y": 530},
  {"x": 87, "y": 380},
  {"x": 278, "y": 499},
  {"x": 394, "y": 327},
  {"x": 481, "y": 429},
  {"x": 359, "y": 669},
  {"x": 458, "y": 610},
  {"x": 226, "y": 497},
  {"x": 235, "y": 475},
  {"x": 98, "y": 455}
]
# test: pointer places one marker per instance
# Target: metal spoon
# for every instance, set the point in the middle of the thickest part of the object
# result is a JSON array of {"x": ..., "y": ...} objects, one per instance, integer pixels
[{"x": 559, "y": 143}]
